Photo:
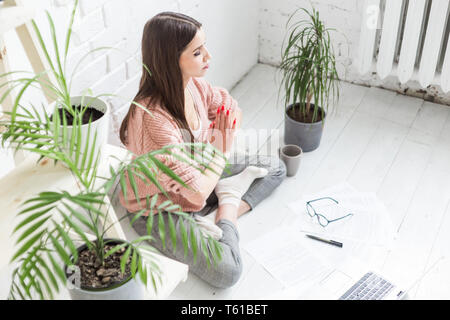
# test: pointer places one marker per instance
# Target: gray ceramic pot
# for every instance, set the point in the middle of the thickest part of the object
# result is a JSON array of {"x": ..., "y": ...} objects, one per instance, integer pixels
[
  {"x": 128, "y": 289},
  {"x": 291, "y": 155},
  {"x": 305, "y": 135}
]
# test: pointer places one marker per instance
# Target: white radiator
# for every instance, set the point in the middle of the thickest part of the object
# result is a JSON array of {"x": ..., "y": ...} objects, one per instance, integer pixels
[{"x": 406, "y": 38}]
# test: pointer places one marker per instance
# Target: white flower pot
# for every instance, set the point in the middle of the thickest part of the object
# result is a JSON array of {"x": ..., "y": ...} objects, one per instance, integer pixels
[
  {"x": 133, "y": 289},
  {"x": 101, "y": 126},
  {"x": 128, "y": 289}
]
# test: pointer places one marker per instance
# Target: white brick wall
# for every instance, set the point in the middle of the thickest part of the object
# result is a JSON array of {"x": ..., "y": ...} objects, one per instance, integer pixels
[
  {"x": 87, "y": 27},
  {"x": 345, "y": 16},
  {"x": 340, "y": 14},
  {"x": 239, "y": 34},
  {"x": 232, "y": 39},
  {"x": 110, "y": 23},
  {"x": 112, "y": 81},
  {"x": 92, "y": 73},
  {"x": 76, "y": 54},
  {"x": 87, "y": 6}
]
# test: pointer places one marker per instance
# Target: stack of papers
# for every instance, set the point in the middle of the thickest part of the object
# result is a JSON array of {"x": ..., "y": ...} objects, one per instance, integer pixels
[
  {"x": 293, "y": 258},
  {"x": 367, "y": 234},
  {"x": 370, "y": 222},
  {"x": 283, "y": 255}
]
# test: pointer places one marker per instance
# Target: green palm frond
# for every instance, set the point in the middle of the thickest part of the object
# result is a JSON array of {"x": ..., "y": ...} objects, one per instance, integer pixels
[{"x": 53, "y": 223}]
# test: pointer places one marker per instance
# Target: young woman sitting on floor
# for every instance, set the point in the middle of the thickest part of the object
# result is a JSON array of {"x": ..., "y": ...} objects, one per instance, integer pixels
[{"x": 183, "y": 103}]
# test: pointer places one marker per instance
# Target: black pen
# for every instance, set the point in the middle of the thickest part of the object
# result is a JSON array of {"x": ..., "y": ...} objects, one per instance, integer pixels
[{"x": 332, "y": 242}]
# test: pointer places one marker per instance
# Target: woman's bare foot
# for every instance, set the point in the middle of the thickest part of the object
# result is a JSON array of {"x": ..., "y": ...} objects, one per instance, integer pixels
[
  {"x": 244, "y": 207},
  {"x": 227, "y": 211}
]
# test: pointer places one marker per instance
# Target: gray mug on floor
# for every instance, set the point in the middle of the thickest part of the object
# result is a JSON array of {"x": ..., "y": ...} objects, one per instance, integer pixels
[{"x": 290, "y": 154}]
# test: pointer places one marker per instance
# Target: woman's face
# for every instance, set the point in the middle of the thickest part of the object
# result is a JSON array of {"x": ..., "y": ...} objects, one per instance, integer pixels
[{"x": 194, "y": 59}]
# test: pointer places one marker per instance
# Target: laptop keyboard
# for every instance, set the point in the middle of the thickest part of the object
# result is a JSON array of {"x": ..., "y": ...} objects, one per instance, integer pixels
[{"x": 369, "y": 287}]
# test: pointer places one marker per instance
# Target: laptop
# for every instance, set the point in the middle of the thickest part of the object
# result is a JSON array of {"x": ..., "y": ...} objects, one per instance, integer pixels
[
  {"x": 354, "y": 281},
  {"x": 372, "y": 286}
]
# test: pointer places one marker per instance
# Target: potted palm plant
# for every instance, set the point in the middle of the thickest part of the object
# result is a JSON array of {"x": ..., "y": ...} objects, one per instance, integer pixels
[
  {"x": 62, "y": 237},
  {"x": 309, "y": 79}
]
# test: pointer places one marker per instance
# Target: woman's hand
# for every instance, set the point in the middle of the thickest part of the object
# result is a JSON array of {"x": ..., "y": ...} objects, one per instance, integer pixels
[{"x": 222, "y": 129}]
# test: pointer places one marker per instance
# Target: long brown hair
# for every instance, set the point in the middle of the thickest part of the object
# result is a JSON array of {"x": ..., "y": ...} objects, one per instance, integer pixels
[{"x": 164, "y": 38}]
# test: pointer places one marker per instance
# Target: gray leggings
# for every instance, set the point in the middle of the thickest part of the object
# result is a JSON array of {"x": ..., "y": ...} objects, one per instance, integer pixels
[{"x": 228, "y": 270}]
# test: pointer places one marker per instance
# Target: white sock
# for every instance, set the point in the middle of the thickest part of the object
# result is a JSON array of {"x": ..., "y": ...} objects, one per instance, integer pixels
[
  {"x": 212, "y": 215},
  {"x": 208, "y": 227},
  {"x": 230, "y": 190}
]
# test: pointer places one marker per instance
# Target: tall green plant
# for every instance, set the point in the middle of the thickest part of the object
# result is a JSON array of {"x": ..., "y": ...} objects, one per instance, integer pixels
[
  {"x": 308, "y": 66},
  {"x": 52, "y": 223}
]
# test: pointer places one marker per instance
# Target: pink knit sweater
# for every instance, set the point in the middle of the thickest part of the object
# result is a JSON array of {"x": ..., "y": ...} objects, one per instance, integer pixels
[{"x": 147, "y": 133}]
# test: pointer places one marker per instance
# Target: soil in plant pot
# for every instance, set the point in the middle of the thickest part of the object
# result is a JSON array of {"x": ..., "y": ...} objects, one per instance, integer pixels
[
  {"x": 90, "y": 112},
  {"x": 103, "y": 276},
  {"x": 297, "y": 115}
]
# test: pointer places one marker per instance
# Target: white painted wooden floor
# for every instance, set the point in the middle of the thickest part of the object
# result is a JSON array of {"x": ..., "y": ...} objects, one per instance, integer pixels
[{"x": 377, "y": 140}]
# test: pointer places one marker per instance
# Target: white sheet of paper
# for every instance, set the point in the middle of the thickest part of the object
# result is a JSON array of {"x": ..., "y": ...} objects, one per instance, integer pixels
[
  {"x": 367, "y": 235},
  {"x": 281, "y": 253},
  {"x": 370, "y": 222},
  {"x": 336, "y": 256},
  {"x": 299, "y": 262},
  {"x": 329, "y": 286}
]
